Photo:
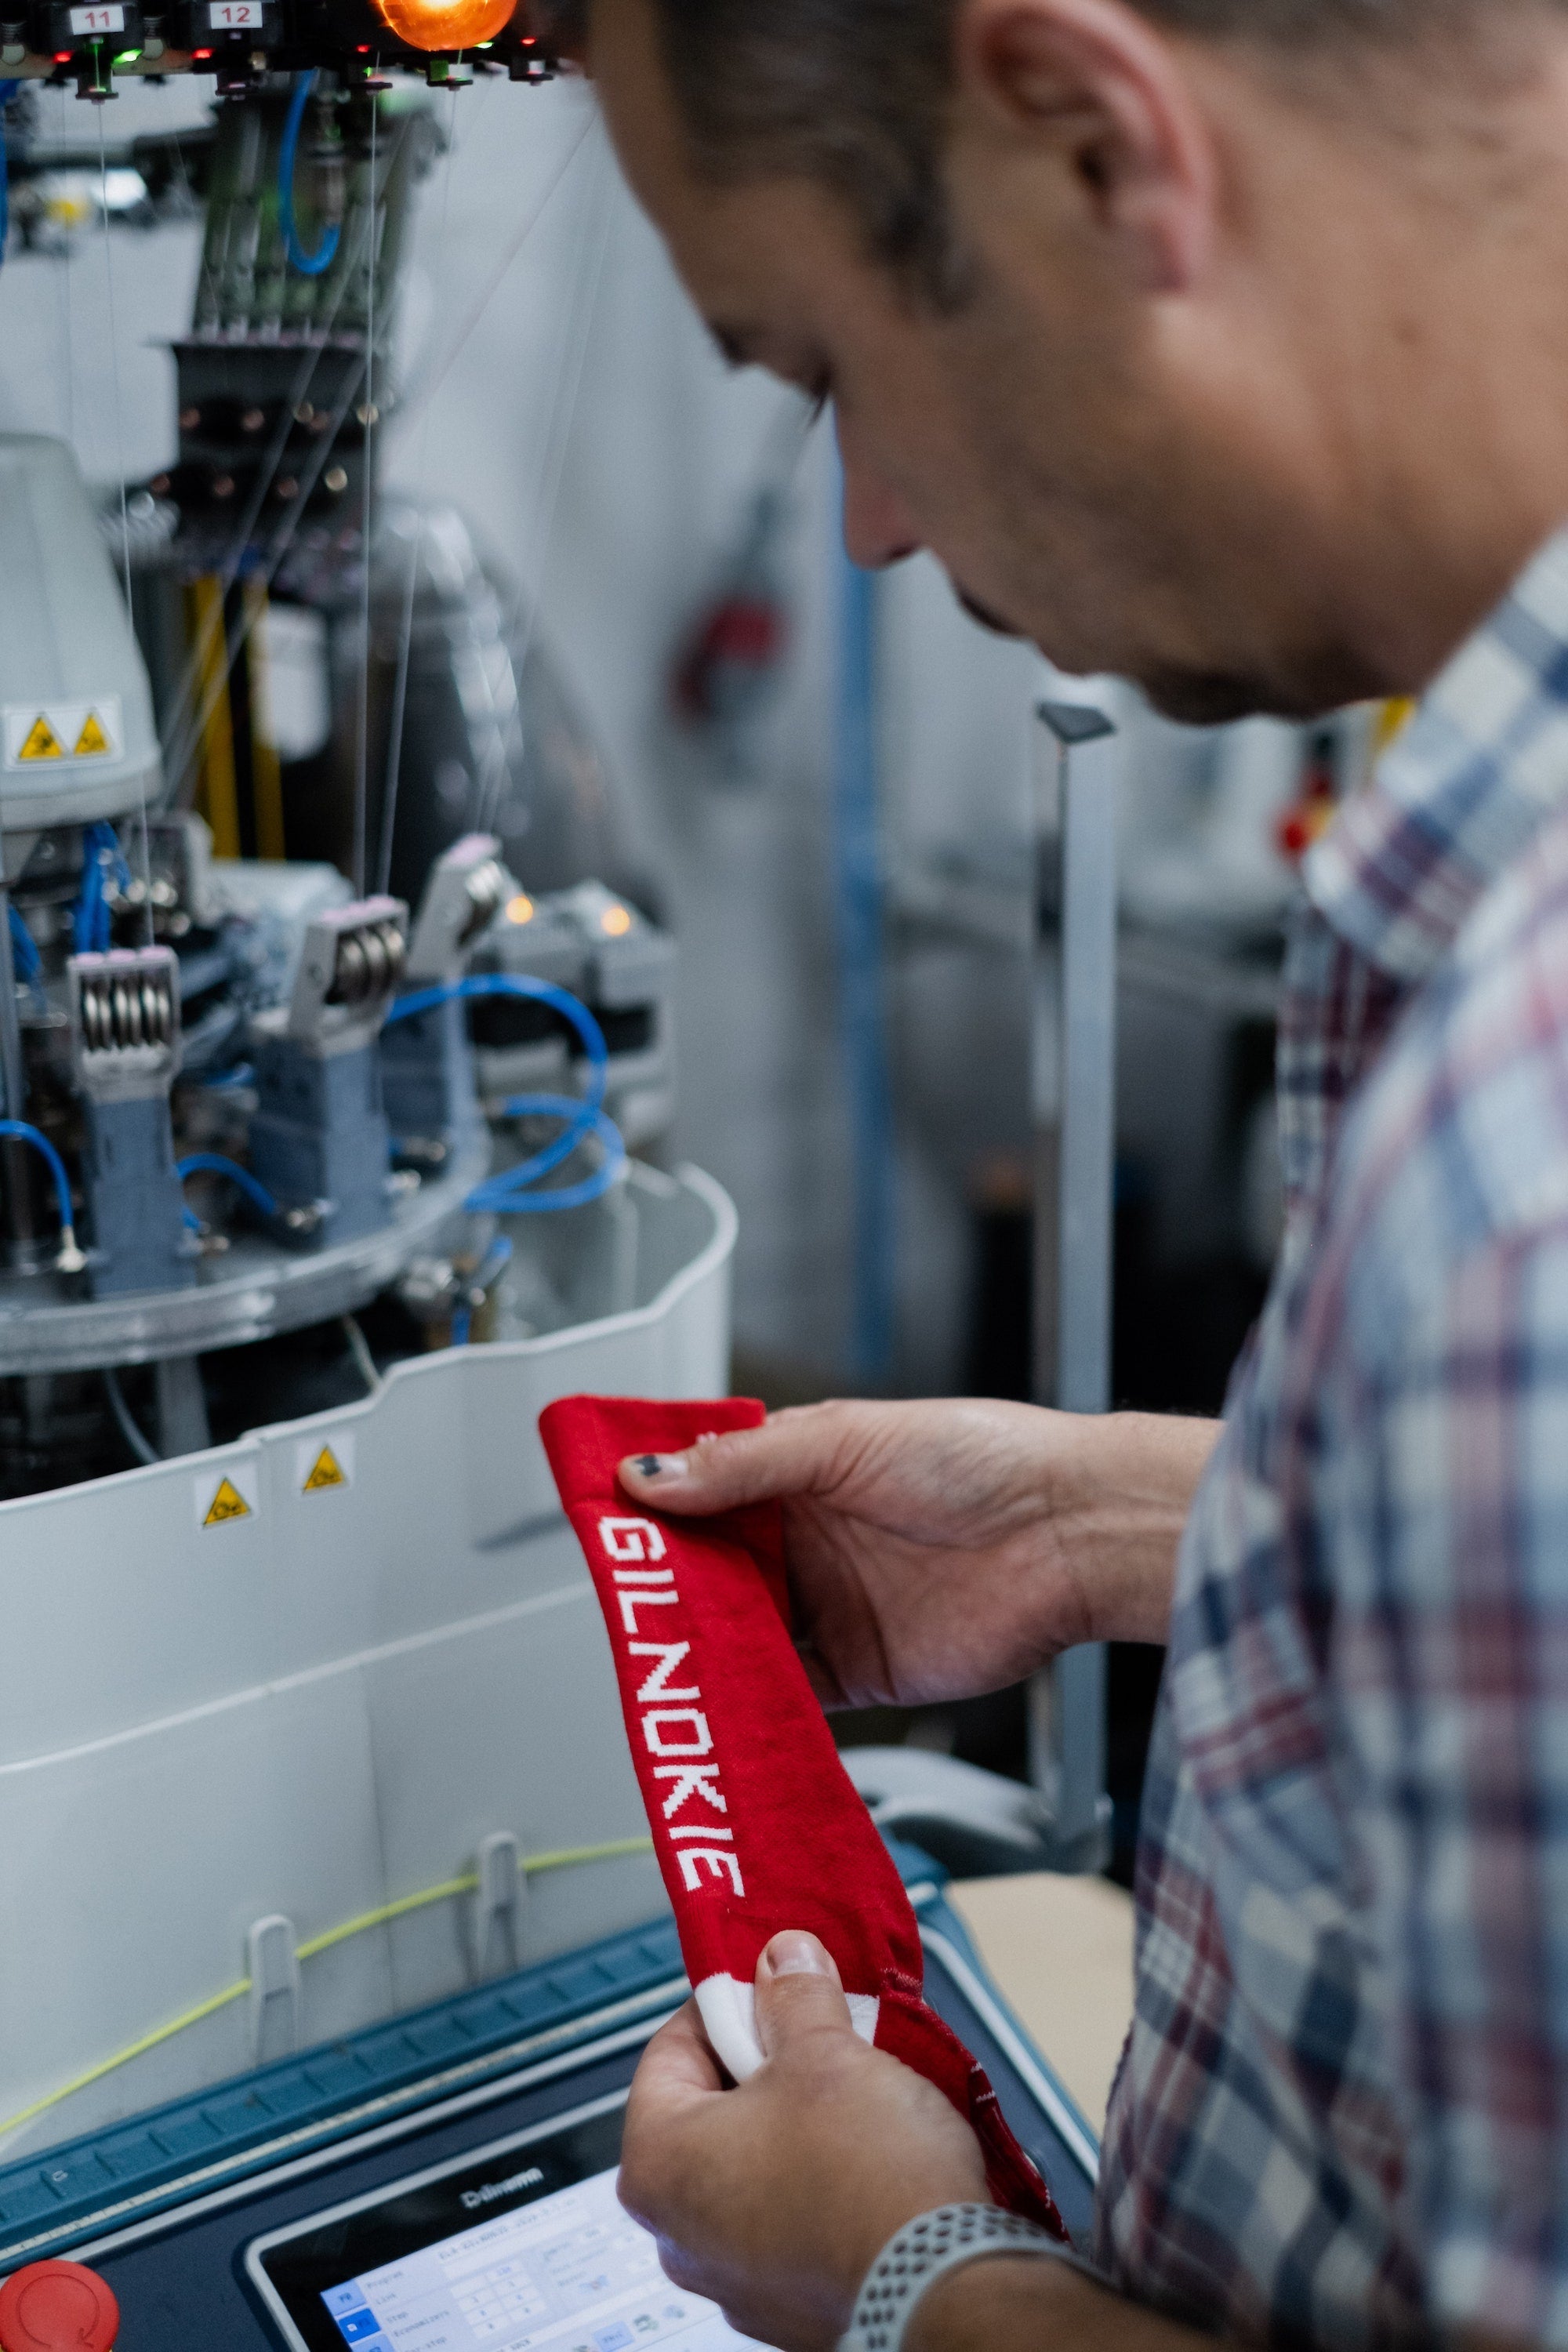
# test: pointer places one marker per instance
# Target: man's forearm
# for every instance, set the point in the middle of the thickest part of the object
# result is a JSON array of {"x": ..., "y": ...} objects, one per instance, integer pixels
[
  {"x": 1010, "y": 2304},
  {"x": 1134, "y": 1476}
]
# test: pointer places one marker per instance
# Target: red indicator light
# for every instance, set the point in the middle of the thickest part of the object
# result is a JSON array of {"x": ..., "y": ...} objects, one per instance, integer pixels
[
  {"x": 201, "y": 53},
  {"x": 62, "y": 57}
]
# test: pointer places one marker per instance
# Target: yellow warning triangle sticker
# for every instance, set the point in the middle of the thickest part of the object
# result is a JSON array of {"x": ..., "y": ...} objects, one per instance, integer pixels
[
  {"x": 41, "y": 742},
  {"x": 92, "y": 741},
  {"x": 228, "y": 1503},
  {"x": 327, "y": 1472}
]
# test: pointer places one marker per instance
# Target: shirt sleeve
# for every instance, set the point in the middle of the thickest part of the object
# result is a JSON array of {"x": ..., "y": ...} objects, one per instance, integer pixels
[{"x": 1444, "y": 1478}]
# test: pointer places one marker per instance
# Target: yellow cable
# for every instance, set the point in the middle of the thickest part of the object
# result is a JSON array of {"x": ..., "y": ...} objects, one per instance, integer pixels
[
  {"x": 266, "y": 771},
  {"x": 368, "y": 1919},
  {"x": 217, "y": 797},
  {"x": 531, "y": 1866},
  {"x": 123, "y": 2057}
]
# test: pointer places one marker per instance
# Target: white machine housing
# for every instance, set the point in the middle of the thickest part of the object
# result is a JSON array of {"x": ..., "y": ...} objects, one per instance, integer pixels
[
  {"x": 78, "y": 742},
  {"x": 246, "y": 1687}
]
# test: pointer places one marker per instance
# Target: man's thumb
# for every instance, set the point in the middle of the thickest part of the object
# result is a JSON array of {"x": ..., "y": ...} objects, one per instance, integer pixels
[
  {"x": 798, "y": 1993},
  {"x": 718, "y": 1474}
]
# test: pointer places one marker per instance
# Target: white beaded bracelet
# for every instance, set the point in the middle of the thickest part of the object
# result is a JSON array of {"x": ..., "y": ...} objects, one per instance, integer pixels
[{"x": 926, "y": 2250}]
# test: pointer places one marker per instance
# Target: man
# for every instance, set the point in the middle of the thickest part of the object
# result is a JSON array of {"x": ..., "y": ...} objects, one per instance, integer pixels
[{"x": 1222, "y": 343}]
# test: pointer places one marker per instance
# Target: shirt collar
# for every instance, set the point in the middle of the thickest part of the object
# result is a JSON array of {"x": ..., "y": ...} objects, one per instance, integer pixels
[{"x": 1480, "y": 768}]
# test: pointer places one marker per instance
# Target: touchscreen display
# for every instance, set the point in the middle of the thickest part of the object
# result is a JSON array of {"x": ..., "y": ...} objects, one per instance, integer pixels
[{"x": 571, "y": 2272}]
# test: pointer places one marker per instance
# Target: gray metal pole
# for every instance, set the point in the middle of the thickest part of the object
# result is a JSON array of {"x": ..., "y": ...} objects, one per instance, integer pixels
[
  {"x": 1074, "y": 999},
  {"x": 182, "y": 1425},
  {"x": 1088, "y": 1091}
]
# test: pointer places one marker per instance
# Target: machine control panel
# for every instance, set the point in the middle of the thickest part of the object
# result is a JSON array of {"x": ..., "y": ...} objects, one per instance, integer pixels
[
  {"x": 471, "y": 2206},
  {"x": 521, "y": 2247}
]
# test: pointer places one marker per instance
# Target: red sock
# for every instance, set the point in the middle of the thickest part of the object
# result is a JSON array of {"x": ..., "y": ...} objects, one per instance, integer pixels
[{"x": 756, "y": 1824}]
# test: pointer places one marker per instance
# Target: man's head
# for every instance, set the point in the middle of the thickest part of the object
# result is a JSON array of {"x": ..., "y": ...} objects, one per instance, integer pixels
[{"x": 1213, "y": 342}]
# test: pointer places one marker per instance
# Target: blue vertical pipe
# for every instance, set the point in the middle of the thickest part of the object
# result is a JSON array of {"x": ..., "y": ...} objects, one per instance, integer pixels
[
  {"x": 862, "y": 991},
  {"x": 7, "y": 93}
]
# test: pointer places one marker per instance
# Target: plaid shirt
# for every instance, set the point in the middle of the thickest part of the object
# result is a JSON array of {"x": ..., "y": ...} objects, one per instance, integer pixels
[{"x": 1342, "y": 2113}]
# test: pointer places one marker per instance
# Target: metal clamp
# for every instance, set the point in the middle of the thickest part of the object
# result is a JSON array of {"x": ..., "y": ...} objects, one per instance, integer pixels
[
  {"x": 350, "y": 970},
  {"x": 125, "y": 1022},
  {"x": 467, "y": 888}
]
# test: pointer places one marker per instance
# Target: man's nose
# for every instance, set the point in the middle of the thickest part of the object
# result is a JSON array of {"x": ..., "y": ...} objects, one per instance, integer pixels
[{"x": 878, "y": 528}]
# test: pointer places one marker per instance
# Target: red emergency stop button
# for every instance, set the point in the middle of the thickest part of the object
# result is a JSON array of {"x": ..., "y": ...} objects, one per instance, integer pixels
[{"x": 58, "y": 2307}]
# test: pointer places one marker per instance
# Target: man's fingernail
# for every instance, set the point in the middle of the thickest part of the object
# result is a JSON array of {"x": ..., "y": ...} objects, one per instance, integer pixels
[
  {"x": 797, "y": 1955},
  {"x": 658, "y": 1466}
]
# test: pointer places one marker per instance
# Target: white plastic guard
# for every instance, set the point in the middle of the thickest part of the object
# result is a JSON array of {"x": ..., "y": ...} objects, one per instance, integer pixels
[
  {"x": 496, "y": 1909},
  {"x": 274, "y": 1962}
]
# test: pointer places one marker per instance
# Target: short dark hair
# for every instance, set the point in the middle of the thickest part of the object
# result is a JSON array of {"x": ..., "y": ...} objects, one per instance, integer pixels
[
  {"x": 850, "y": 93},
  {"x": 855, "y": 93}
]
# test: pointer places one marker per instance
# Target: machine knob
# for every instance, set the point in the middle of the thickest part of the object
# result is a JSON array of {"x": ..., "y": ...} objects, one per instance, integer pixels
[{"x": 58, "y": 2307}]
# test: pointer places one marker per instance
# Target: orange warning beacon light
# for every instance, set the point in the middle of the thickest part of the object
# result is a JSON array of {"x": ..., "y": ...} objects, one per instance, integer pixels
[{"x": 433, "y": 25}]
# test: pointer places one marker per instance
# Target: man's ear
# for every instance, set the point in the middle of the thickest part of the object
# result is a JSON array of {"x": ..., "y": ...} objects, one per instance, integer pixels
[{"x": 1094, "y": 84}]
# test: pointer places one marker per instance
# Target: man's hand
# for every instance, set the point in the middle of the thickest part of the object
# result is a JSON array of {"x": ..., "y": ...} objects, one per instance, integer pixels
[
  {"x": 937, "y": 1551},
  {"x": 775, "y": 2198}
]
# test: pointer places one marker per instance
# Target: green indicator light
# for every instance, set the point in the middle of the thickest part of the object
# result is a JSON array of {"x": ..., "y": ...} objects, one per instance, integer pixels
[{"x": 127, "y": 57}]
